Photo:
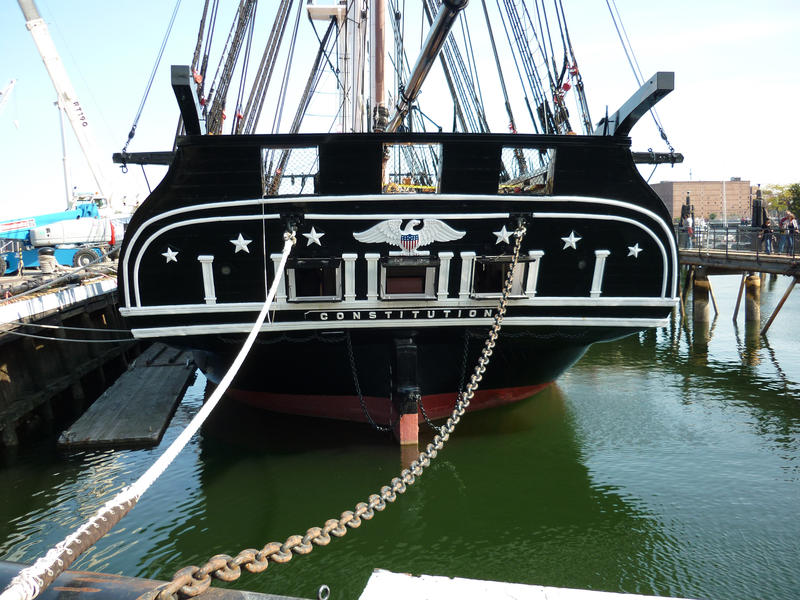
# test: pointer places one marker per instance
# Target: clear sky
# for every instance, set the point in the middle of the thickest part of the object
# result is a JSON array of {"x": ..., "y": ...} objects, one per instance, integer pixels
[{"x": 732, "y": 114}]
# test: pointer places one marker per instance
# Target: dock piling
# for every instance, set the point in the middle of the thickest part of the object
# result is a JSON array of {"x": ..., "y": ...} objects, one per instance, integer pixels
[
  {"x": 752, "y": 298},
  {"x": 780, "y": 305},
  {"x": 701, "y": 312}
]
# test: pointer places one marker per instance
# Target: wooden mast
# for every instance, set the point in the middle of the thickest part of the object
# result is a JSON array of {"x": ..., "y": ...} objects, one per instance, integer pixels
[{"x": 380, "y": 114}]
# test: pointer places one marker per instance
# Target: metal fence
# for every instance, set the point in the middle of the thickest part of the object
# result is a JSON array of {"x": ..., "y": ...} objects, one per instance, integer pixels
[{"x": 738, "y": 238}]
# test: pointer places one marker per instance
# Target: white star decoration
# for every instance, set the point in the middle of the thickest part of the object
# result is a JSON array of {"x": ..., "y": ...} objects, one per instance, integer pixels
[
  {"x": 502, "y": 235},
  {"x": 313, "y": 237},
  {"x": 171, "y": 255},
  {"x": 241, "y": 244},
  {"x": 571, "y": 241},
  {"x": 634, "y": 250}
]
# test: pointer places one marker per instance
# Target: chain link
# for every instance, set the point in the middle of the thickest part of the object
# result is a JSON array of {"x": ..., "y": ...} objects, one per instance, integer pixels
[
  {"x": 357, "y": 385},
  {"x": 192, "y": 581}
]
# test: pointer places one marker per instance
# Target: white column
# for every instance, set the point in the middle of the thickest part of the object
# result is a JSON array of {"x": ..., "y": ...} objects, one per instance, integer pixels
[
  {"x": 372, "y": 275},
  {"x": 349, "y": 276},
  {"x": 280, "y": 294},
  {"x": 533, "y": 272},
  {"x": 467, "y": 258},
  {"x": 599, "y": 267},
  {"x": 207, "y": 263},
  {"x": 444, "y": 274}
]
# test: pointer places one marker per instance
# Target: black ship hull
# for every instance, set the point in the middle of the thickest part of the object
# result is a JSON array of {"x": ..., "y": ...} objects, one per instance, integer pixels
[{"x": 379, "y": 269}]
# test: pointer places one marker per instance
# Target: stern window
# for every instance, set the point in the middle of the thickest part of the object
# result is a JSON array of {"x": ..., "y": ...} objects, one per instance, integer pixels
[
  {"x": 412, "y": 168},
  {"x": 525, "y": 171},
  {"x": 314, "y": 279},
  {"x": 490, "y": 274},
  {"x": 289, "y": 171},
  {"x": 408, "y": 278}
]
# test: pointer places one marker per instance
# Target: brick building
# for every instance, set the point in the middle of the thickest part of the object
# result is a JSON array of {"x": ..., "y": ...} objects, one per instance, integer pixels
[{"x": 707, "y": 197}]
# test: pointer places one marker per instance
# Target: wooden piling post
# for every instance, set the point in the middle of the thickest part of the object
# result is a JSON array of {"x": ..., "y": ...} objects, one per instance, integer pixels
[
  {"x": 739, "y": 297},
  {"x": 780, "y": 305},
  {"x": 752, "y": 298},
  {"x": 700, "y": 308},
  {"x": 713, "y": 298}
]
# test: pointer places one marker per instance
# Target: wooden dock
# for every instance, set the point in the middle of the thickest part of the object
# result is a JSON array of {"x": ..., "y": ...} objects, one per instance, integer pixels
[
  {"x": 135, "y": 411},
  {"x": 88, "y": 585}
]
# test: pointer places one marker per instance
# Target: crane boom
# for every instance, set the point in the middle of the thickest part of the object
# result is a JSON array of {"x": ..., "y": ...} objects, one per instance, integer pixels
[{"x": 67, "y": 98}]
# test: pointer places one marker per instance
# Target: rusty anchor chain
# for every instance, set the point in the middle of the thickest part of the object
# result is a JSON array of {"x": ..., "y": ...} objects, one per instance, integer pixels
[{"x": 192, "y": 581}]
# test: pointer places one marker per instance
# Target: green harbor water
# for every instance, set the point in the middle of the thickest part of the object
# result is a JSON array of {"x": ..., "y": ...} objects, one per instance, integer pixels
[{"x": 666, "y": 463}]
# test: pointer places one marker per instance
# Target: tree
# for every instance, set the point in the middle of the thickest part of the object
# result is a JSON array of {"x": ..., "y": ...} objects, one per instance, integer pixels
[{"x": 780, "y": 198}]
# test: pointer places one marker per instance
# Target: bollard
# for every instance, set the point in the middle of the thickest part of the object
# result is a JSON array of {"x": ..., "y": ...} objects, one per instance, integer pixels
[{"x": 752, "y": 298}]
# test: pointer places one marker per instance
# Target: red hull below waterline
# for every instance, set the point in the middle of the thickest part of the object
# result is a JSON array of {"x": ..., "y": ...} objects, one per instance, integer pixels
[{"x": 381, "y": 411}]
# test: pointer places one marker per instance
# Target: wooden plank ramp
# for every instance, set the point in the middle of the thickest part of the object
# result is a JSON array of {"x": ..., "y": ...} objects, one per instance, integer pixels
[{"x": 135, "y": 411}]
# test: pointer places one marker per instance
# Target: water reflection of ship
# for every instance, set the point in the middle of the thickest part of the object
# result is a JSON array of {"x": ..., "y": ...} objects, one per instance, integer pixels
[
  {"x": 756, "y": 380},
  {"x": 510, "y": 483}
]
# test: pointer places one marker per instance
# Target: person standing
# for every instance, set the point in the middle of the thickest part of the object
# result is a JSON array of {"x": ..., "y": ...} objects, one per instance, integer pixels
[
  {"x": 783, "y": 226},
  {"x": 791, "y": 230},
  {"x": 689, "y": 231},
  {"x": 767, "y": 235}
]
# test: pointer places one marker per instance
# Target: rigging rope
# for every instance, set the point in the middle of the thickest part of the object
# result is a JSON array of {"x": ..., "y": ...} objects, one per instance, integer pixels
[
  {"x": 276, "y": 175},
  {"x": 580, "y": 91},
  {"x": 150, "y": 82},
  {"x": 285, "y": 86},
  {"x": 32, "y": 580},
  {"x": 516, "y": 67},
  {"x": 258, "y": 91},
  {"x": 227, "y": 65},
  {"x": 243, "y": 81},
  {"x": 634, "y": 64}
]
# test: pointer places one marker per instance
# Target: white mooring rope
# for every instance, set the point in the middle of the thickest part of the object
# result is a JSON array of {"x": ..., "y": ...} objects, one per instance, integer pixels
[{"x": 34, "y": 579}]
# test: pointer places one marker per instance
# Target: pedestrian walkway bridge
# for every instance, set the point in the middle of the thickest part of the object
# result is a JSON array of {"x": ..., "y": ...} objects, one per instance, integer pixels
[
  {"x": 719, "y": 250},
  {"x": 737, "y": 249},
  {"x": 738, "y": 261}
]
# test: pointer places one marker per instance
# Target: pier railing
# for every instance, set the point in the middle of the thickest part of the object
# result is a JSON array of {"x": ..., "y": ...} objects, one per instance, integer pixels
[{"x": 737, "y": 239}]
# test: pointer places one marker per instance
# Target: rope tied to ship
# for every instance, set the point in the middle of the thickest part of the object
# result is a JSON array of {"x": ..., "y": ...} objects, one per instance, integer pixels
[
  {"x": 32, "y": 580},
  {"x": 192, "y": 580}
]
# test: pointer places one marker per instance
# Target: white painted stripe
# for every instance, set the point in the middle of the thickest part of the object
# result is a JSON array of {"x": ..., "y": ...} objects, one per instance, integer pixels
[
  {"x": 394, "y": 323},
  {"x": 650, "y": 232},
  {"x": 451, "y": 303},
  {"x": 405, "y": 216},
  {"x": 179, "y": 211},
  {"x": 394, "y": 198},
  {"x": 170, "y": 227}
]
